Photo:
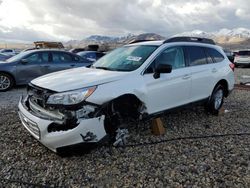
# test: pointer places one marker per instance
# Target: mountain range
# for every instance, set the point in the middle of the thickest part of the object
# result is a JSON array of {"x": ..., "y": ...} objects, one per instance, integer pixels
[
  {"x": 237, "y": 32},
  {"x": 231, "y": 38}
]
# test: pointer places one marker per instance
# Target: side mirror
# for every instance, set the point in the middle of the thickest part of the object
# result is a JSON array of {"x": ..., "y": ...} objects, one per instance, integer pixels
[
  {"x": 24, "y": 61},
  {"x": 162, "y": 68}
]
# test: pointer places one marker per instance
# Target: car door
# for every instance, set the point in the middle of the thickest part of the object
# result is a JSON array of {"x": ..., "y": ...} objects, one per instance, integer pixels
[
  {"x": 31, "y": 67},
  {"x": 61, "y": 61},
  {"x": 201, "y": 71},
  {"x": 217, "y": 68},
  {"x": 171, "y": 89}
]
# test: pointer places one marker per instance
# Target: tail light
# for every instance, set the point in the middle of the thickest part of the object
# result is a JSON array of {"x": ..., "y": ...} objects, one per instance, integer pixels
[{"x": 232, "y": 66}]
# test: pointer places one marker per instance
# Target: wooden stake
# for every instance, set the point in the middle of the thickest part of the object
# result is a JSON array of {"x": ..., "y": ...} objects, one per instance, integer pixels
[
  {"x": 221, "y": 111},
  {"x": 157, "y": 127}
]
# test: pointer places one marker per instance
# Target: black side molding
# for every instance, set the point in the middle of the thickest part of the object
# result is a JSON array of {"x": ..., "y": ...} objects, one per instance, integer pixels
[{"x": 190, "y": 39}]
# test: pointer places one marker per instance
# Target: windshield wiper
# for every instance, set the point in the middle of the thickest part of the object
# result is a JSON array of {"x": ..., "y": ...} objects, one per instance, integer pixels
[{"x": 104, "y": 68}]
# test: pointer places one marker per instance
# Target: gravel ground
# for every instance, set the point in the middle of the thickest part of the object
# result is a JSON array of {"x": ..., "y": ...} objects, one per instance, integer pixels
[{"x": 207, "y": 162}]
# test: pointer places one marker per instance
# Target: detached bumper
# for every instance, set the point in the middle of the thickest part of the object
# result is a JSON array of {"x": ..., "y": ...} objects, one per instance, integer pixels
[{"x": 86, "y": 132}]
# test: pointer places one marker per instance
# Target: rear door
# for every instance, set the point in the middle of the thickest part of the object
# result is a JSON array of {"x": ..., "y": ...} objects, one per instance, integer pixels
[
  {"x": 219, "y": 68},
  {"x": 61, "y": 61},
  {"x": 201, "y": 70}
]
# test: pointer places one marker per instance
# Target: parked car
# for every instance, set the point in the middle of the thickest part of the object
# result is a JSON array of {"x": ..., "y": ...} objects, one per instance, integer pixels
[
  {"x": 91, "y": 55},
  {"x": 242, "y": 58},
  {"x": 24, "y": 67},
  {"x": 76, "y": 50},
  {"x": 3, "y": 57},
  {"x": 85, "y": 105},
  {"x": 229, "y": 54},
  {"x": 9, "y": 52}
]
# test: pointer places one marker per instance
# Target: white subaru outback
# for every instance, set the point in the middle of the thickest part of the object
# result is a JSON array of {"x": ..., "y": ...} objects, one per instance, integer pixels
[{"x": 82, "y": 106}]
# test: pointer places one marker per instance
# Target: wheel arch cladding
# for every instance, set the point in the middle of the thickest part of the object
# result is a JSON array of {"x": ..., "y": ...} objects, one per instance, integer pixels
[{"x": 224, "y": 84}]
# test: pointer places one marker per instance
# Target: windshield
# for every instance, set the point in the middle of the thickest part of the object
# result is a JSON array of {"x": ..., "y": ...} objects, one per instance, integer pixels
[
  {"x": 127, "y": 58},
  {"x": 17, "y": 57}
]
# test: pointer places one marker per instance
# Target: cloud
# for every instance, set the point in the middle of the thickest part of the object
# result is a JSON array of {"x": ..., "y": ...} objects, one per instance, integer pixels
[{"x": 67, "y": 19}]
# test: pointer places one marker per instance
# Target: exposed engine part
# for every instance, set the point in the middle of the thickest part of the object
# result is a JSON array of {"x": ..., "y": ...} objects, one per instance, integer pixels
[
  {"x": 121, "y": 137},
  {"x": 85, "y": 111}
]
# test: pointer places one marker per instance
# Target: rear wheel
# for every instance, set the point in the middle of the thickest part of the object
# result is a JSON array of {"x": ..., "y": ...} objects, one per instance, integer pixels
[
  {"x": 216, "y": 100},
  {"x": 6, "y": 82}
]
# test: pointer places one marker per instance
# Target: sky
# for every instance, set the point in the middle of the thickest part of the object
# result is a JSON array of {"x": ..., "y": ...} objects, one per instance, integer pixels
[{"x": 63, "y": 20}]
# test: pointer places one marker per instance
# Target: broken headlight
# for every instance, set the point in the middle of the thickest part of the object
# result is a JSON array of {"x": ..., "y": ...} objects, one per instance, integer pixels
[{"x": 71, "y": 97}]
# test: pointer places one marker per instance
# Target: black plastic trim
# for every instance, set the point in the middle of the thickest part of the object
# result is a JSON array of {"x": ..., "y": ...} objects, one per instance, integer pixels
[{"x": 190, "y": 39}]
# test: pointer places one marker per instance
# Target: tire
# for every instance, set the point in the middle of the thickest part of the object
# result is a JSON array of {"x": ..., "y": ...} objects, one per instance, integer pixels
[
  {"x": 6, "y": 82},
  {"x": 216, "y": 100}
]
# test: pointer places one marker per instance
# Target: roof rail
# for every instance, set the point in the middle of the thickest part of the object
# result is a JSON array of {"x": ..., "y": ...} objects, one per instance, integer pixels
[
  {"x": 142, "y": 40},
  {"x": 190, "y": 39}
]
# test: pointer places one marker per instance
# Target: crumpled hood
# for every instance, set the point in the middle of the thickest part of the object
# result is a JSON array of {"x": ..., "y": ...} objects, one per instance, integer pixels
[{"x": 77, "y": 78}]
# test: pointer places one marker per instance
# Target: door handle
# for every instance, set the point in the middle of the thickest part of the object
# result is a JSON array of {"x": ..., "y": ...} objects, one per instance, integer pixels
[
  {"x": 214, "y": 70},
  {"x": 186, "y": 76},
  {"x": 72, "y": 65}
]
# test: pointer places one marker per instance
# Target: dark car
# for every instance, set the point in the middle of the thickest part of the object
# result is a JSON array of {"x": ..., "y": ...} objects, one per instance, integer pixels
[
  {"x": 76, "y": 50},
  {"x": 24, "y": 67},
  {"x": 91, "y": 55}
]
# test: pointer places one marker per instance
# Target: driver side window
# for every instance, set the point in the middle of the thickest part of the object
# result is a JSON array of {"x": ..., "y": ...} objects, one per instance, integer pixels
[
  {"x": 172, "y": 56},
  {"x": 34, "y": 58}
]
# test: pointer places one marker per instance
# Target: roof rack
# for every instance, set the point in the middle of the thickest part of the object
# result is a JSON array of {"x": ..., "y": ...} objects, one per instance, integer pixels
[
  {"x": 142, "y": 40},
  {"x": 190, "y": 39}
]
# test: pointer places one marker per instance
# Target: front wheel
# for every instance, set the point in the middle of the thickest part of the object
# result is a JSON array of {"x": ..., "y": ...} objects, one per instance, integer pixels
[
  {"x": 216, "y": 100},
  {"x": 6, "y": 82}
]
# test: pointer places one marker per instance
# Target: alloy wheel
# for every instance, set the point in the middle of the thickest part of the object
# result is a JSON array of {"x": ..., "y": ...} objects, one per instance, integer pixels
[
  {"x": 4, "y": 82},
  {"x": 218, "y": 99}
]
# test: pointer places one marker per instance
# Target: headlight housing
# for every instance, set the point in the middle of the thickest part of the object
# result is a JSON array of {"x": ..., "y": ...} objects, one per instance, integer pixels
[{"x": 71, "y": 97}]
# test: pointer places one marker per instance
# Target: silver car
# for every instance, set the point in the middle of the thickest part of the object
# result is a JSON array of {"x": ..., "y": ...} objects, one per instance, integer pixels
[{"x": 24, "y": 67}]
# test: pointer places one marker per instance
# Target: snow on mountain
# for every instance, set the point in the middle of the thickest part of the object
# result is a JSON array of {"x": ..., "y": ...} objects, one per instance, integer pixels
[
  {"x": 237, "y": 32},
  {"x": 196, "y": 33}
]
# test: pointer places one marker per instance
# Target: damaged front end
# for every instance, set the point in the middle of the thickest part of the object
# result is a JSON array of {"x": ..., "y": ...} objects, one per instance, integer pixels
[{"x": 57, "y": 122}]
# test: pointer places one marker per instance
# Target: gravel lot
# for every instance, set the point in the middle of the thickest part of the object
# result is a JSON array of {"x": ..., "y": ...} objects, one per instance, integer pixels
[{"x": 204, "y": 162}]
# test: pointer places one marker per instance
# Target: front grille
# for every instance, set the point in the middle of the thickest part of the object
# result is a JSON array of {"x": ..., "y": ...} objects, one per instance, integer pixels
[{"x": 30, "y": 125}]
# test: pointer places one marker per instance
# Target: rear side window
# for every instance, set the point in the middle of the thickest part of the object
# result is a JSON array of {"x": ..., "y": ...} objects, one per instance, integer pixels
[
  {"x": 45, "y": 56},
  {"x": 196, "y": 55},
  {"x": 244, "y": 53},
  {"x": 61, "y": 57},
  {"x": 215, "y": 55},
  {"x": 75, "y": 58}
]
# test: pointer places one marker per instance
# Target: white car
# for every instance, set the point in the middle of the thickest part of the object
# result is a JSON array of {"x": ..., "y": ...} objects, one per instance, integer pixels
[
  {"x": 9, "y": 52},
  {"x": 242, "y": 58},
  {"x": 82, "y": 106}
]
